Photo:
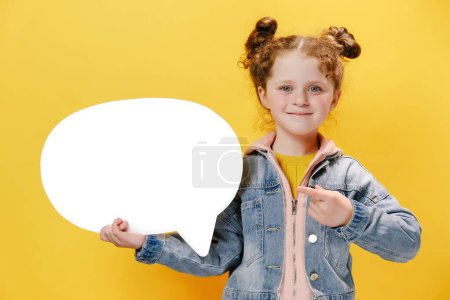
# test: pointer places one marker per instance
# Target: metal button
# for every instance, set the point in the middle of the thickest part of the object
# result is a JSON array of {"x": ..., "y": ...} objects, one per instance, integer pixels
[
  {"x": 314, "y": 276},
  {"x": 312, "y": 238}
]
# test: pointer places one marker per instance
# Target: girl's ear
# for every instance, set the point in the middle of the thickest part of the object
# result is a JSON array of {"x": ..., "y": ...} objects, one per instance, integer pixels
[
  {"x": 335, "y": 101},
  {"x": 262, "y": 97}
]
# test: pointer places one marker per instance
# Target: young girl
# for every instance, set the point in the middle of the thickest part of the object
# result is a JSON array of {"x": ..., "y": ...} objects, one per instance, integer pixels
[{"x": 286, "y": 234}]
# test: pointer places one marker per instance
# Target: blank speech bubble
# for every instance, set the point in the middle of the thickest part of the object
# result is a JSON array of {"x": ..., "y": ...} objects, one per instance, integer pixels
[{"x": 162, "y": 164}]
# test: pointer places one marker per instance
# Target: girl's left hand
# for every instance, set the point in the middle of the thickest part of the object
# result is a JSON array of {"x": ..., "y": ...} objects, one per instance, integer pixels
[{"x": 329, "y": 208}]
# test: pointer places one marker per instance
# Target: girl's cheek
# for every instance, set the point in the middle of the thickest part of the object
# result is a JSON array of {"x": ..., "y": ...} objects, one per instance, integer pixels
[
  {"x": 279, "y": 102},
  {"x": 321, "y": 105},
  {"x": 324, "y": 103}
]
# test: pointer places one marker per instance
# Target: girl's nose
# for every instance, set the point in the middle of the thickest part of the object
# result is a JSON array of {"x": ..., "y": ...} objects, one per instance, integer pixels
[{"x": 301, "y": 99}]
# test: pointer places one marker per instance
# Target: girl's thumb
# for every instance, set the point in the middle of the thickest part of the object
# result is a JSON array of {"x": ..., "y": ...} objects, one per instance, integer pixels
[{"x": 123, "y": 225}]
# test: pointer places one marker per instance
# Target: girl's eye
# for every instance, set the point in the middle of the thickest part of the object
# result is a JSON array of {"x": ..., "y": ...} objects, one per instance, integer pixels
[
  {"x": 315, "y": 89},
  {"x": 285, "y": 88}
]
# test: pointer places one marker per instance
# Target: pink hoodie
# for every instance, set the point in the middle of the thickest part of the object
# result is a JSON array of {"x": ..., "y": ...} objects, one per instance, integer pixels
[{"x": 295, "y": 284}]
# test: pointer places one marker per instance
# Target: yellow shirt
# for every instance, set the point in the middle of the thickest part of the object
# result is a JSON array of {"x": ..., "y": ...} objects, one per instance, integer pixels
[{"x": 294, "y": 167}]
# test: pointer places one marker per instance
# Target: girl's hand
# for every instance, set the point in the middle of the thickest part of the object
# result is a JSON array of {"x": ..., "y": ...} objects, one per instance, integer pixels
[
  {"x": 329, "y": 208},
  {"x": 116, "y": 234}
]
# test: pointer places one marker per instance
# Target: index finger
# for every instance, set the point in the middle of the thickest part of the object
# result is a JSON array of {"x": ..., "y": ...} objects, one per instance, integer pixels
[{"x": 311, "y": 192}]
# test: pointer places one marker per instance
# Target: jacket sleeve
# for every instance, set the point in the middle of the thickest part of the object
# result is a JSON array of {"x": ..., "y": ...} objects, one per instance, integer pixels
[
  {"x": 224, "y": 254},
  {"x": 379, "y": 223}
]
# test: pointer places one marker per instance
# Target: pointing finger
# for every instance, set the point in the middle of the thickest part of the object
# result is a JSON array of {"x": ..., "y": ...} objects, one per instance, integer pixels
[
  {"x": 313, "y": 192},
  {"x": 306, "y": 190},
  {"x": 319, "y": 187}
]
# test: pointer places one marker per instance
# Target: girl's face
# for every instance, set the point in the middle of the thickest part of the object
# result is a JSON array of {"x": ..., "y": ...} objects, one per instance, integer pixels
[{"x": 298, "y": 95}]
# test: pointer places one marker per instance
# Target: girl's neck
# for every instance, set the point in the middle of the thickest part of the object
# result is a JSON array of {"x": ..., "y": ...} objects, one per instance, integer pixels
[{"x": 294, "y": 145}]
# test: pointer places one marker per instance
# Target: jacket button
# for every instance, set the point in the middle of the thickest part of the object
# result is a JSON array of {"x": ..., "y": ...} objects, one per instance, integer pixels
[
  {"x": 312, "y": 238},
  {"x": 314, "y": 276}
]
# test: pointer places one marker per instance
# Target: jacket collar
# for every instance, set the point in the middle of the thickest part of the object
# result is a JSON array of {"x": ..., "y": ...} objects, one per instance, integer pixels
[{"x": 327, "y": 147}]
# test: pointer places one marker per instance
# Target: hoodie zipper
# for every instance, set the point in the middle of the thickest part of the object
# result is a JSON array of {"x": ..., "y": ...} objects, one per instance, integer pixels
[
  {"x": 294, "y": 212},
  {"x": 317, "y": 167}
]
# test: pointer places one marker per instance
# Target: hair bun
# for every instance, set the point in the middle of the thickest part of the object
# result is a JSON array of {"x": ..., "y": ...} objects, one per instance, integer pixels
[
  {"x": 267, "y": 26},
  {"x": 350, "y": 48},
  {"x": 263, "y": 32}
]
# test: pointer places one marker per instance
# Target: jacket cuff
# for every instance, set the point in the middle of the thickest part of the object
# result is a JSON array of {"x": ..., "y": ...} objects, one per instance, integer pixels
[
  {"x": 357, "y": 224},
  {"x": 151, "y": 249}
]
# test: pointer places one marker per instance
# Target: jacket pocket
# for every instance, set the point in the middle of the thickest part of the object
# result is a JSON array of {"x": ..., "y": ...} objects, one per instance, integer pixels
[
  {"x": 252, "y": 227},
  {"x": 337, "y": 252}
]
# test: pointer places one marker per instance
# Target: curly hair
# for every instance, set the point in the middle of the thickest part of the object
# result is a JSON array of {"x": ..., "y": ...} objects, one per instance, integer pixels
[{"x": 333, "y": 45}]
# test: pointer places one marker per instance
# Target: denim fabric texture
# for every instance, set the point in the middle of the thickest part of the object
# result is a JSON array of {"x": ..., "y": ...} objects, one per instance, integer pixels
[{"x": 249, "y": 240}]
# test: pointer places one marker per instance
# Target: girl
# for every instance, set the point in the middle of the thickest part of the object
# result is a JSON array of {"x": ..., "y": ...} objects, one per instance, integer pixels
[{"x": 287, "y": 232}]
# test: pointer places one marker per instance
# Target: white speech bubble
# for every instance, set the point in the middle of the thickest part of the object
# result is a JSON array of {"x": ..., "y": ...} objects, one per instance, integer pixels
[{"x": 162, "y": 164}]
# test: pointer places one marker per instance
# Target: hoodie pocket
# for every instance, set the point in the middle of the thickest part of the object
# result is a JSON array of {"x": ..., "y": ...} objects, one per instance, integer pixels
[{"x": 252, "y": 226}]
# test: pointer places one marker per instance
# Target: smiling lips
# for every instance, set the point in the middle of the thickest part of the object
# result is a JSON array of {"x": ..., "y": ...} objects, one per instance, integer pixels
[{"x": 300, "y": 114}]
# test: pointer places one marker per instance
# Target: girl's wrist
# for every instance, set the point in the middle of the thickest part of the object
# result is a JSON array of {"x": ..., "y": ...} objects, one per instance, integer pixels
[
  {"x": 349, "y": 215},
  {"x": 143, "y": 243}
]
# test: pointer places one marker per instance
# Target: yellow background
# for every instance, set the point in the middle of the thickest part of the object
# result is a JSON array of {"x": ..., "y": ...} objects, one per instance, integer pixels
[{"x": 57, "y": 57}]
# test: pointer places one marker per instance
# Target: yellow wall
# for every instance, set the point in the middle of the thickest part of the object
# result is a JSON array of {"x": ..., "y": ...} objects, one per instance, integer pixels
[{"x": 57, "y": 57}]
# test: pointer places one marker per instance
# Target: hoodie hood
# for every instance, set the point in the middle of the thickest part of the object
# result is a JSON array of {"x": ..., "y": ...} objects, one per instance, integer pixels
[
  {"x": 327, "y": 150},
  {"x": 327, "y": 147}
]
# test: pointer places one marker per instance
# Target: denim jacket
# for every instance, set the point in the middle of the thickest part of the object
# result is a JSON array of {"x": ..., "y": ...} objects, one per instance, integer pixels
[{"x": 249, "y": 235}]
